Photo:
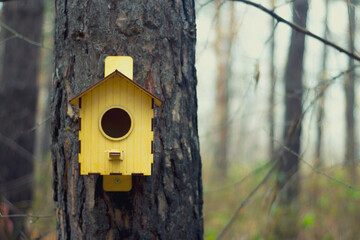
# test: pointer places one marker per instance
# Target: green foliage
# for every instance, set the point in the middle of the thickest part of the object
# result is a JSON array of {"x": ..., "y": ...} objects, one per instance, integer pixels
[
  {"x": 353, "y": 194},
  {"x": 308, "y": 220},
  {"x": 328, "y": 237},
  {"x": 324, "y": 201},
  {"x": 210, "y": 236}
]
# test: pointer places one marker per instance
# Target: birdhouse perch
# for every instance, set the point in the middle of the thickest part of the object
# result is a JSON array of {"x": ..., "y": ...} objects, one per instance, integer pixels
[{"x": 116, "y": 126}]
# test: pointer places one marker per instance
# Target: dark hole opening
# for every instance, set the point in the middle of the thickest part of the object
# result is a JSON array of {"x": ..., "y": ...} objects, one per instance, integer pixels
[{"x": 116, "y": 123}]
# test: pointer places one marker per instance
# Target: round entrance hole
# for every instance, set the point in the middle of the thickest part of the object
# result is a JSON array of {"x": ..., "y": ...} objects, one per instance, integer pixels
[{"x": 116, "y": 123}]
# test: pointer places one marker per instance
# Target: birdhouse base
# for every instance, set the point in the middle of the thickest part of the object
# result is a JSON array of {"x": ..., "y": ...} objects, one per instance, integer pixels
[{"x": 117, "y": 183}]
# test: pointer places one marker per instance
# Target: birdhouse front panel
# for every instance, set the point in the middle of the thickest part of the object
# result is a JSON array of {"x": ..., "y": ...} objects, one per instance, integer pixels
[{"x": 116, "y": 132}]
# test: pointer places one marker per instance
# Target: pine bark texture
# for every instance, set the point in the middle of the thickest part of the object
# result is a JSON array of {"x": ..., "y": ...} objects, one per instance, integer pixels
[
  {"x": 160, "y": 36},
  {"x": 18, "y": 98},
  {"x": 289, "y": 165}
]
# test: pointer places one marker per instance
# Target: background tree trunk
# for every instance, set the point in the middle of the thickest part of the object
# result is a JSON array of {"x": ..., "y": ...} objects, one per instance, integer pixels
[
  {"x": 288, "y": 177},
  {"x": 350, "y": 133},
  {"x": 160, "y": 36},
  {"x": 18, "y": 96},
  {"x": 223, "y": 45},
  {"x": 293, "y": 109},
  {"x": 321, "y": 92},
  {"x": 272, "y": 88}
]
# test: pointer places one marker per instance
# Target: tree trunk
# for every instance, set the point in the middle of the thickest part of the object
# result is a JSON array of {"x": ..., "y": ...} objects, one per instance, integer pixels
[
  {"x": 293, "y": 109},
  {"x": 288, "y": 177},
  {"x": 160, "y": 36},
  {"x": 223, "y": 46},
  {"x": 321, "y": 92},
  {"x": 350, "y": 143},
  {"x": 272, "y": 89},
  {"x": 18, "y": 96}
]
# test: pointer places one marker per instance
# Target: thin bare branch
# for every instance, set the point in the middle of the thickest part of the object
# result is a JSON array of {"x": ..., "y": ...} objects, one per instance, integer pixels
[
  {"x": 38, "y": 125},
  {"x": 317, "y": 170},
  {"x": 254, "y": 172},
  {"x": 47, "y": 233},
  {"x": 299, "y": 28},
  {"x": 245, "y": 202},
  {"x": 14, "y": 145},
  {"x": 268, "y": 40},
  {"x": 20, "y": 36},
  {"x": 7, "y": 39},
  {"x": 25, "y": 216},
  {"x": 201, "y": 5},
  {"x": 283, "y": 4},
  {"x": 325, "y": 84},
  {"x": 23, "y": 235}
]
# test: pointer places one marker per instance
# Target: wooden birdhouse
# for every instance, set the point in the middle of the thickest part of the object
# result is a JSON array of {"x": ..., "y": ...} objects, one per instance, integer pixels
[{"x": 116, "y": 126}]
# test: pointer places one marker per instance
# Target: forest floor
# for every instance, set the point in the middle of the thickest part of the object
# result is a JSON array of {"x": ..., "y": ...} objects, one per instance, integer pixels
[
  {"x": 43, "y": 205},
  {"x": 328, "y": 207}
]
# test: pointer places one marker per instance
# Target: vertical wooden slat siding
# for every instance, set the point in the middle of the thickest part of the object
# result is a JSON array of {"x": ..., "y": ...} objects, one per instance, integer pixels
[
  {"x": 148, "y": 133},
  {"x": 102, "y": 144},
  {"x": 80, "y": 137},
  {"x": 141, "y": 137},
  {"x": 151, "y": 113},
  {"x": 138, "y": 155},
  {"x": 88, "y": 109},
  {"x": 151, "y": 138},
  {"x": 122, "y": 102},
  {"x": 113, "y": 165},
  {"x": 132, "y": 107},
  {"x": 94, "y": 148},
  {"x": 144, "y": 131},
  {"x": 137, "y": 111},
  {"x": 129, "y": 143},
  {"x": 114, "y": 145},
  {"x": 118, "y": 166},
  {"x": 109, "y": 145}
]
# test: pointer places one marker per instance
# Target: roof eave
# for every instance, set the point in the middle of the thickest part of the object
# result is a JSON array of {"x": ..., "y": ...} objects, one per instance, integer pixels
[{"x": 75, "y": 100}]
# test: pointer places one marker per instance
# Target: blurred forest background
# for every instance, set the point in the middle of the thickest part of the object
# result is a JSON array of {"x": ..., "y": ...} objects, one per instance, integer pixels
[{"x": 278, "y": 119}]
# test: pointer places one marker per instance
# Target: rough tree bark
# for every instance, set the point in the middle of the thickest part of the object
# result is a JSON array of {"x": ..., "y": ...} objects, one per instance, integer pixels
[
  {"x": 288, "y": 177},
  {"x": 350, "y": 142},
  {"x": 18, "y": 96},
  {"x": 160, "y": 36}
]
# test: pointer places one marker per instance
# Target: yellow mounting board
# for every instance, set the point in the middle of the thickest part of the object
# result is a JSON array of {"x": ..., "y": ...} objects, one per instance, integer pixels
[
  {"x": 123, "y": 64},
  {"x": 117, "y": 183}
]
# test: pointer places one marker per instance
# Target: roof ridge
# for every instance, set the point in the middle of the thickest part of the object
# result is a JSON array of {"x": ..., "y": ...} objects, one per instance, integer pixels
[{"x": 72, "y": 100}]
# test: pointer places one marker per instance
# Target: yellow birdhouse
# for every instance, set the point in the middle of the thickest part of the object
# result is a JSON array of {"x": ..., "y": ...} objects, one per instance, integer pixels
[{"x": 116, "y": 126}]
